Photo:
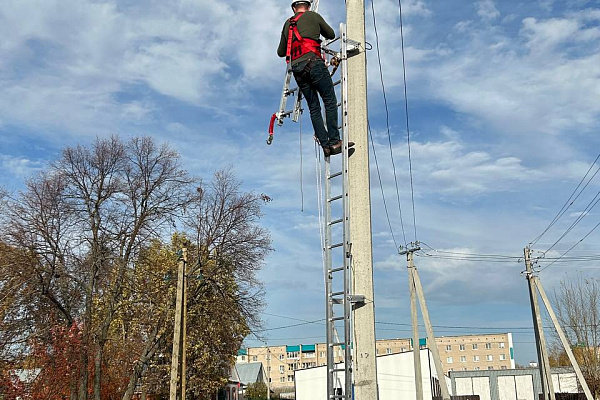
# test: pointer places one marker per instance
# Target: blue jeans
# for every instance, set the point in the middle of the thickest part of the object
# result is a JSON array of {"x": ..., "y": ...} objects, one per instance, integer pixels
[{"x": 313, "y": 80}]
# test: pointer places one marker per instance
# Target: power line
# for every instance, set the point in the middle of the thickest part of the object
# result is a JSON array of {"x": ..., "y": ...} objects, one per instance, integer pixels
[
  {"x": 572, "y": 247},
  {"x": 385, "y": 207},
  {"x": 387, "y": 116},
  {"x": 412, "y": 190},
  {"x": 581, "y": 216},
  {"x": 465, "y": 256},
  {"x": 568, "y": 203}
]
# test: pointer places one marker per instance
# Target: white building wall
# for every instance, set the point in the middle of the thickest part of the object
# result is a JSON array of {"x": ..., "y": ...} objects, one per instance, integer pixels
[{"x": 395, "y": 377}]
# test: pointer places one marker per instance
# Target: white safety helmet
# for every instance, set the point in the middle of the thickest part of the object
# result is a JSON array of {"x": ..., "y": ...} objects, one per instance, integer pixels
[{"x": 296, "y": 2}]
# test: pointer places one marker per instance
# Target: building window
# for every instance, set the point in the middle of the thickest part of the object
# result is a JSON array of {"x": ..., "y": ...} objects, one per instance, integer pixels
[
  {"x": 463, "y": 369},
  {"x": 290, "y": 378},
  {"x": 281, "y": 369},
  {"x": 476, "y": 358},
  {"x": 477, "y": 368},
  {"x": 490, "y": 367},
  {"x": 501, "y": 345},
  {"x": 254, "y": 358},
  {"x": 503, "y": 367},
  {"x": 448, "y": 347},
  {"x": 488, "y": 346},
  {"x": 403, "y": 349},
  {"x": 376, "y": 351},
  {"x": 243, "y": 358},
  {"x": 474, "y": 346},
  {"x": 269, "y": 357},
  {"x": 388, "y": 351},
  {"x": 292, "y": 354},
  {"x": 489, "y": 357},
  {"x": 449, "y": 360},
  {"x": 450, "y": 369},
  {"x": 463, "y": 358},
  {"x": 281, "y": 357},
  {"x": 322, "y": 354},
  {"x": 461, "y": 347},
  {"x": 502, "y": 357},
  {"x": 282, "y": 379}
]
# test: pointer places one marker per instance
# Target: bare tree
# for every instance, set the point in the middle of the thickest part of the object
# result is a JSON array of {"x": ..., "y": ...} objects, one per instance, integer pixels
[
  {"x": 577, "y": 302},
  {"x": 82, "y": 247}
]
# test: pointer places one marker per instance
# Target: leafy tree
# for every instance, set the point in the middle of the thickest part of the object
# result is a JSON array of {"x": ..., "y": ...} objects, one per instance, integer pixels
[
  {"x": 82, "y": 253},
  {"x": 256, "y": 391}
]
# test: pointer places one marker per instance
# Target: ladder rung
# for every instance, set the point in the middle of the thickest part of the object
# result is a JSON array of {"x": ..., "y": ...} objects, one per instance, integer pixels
[
  {"x": 337, "y": 82},
  {"x": 338, "y": 370},
  {"x": 335, "y": 174},
  {"x": 337, "y": 319},
  {"x": 337, "y": 294},
  {"x": 333, "y": 246},
  {"x": 336, "y": 269},
  {"x": 337, "y": 344},
  {"x": 335, "y": 198},
  {"x": 337, "y": 221},
  {"x": 337, "y": 301}
]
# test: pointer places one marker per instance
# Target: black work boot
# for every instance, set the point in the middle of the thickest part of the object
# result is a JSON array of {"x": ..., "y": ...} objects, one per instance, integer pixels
[{"x": 337, "y": 148}]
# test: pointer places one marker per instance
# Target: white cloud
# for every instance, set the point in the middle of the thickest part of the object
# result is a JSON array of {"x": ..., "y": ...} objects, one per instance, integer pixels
[
  {"x": 487, "y": 10},
  {"x": 66, "y": 63},
  {"x": 19, "y": 167}
]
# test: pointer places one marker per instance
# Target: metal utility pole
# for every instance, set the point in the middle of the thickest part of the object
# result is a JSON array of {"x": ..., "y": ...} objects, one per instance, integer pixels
[
  {"x": 177, "y": 386},
  {"x": 364, "y": 366},
  {"x": 540, "y": 340},
  {"x": 416, "y": 293}
]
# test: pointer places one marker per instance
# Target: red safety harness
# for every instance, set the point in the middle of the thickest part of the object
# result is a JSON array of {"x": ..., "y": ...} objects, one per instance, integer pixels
[{"x": 301, "y": 45}]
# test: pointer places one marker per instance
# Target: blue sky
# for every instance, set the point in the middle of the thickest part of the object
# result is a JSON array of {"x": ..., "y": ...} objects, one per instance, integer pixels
[{"x": 504, "y": 113}]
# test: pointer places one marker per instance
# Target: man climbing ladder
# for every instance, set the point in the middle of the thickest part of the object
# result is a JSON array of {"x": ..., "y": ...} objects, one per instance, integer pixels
[{"x": 301, "y": 45}]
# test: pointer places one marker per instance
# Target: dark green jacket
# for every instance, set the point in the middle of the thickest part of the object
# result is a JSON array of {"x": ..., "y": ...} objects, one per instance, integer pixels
[{"x": 310, "y": 25}]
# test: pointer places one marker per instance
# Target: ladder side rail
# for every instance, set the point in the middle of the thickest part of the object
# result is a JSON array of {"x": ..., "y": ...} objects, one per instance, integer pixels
[
  {"x": 346, "y": 209},
  {"x": 284, "y": 95},
  {"x": 329, "y": 289}
]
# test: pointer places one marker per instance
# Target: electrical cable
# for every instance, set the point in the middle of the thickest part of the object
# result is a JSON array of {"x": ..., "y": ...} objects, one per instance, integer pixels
[
  {"x": 412, "y": 189},
  {"x": 581, "y": 216},
  {"x": 385, "y": 207},
  {"x": 572, "y": 247},
  {"x": 301, "y": 168},
  {"x": 568, "y": 203},
  {"x": 387, "y": 114}
]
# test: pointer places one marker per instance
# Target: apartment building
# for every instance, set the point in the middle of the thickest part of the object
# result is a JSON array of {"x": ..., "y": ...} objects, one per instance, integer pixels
[
  {"x": 280, "y": 362},
  {"x": 476, "y": 352},
  {"x": 458, "y": 353}
]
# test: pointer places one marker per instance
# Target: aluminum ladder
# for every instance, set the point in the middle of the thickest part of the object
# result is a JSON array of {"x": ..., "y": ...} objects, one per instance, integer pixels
[{"x": 338, "y": 278}]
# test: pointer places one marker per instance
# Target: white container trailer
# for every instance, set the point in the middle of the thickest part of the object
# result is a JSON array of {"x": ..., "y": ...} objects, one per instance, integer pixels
[{"x": 395, "y": 378}]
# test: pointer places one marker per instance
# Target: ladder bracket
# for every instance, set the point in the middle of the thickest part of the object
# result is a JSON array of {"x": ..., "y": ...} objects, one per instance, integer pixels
[
  {"x": 353, "y": 47},
  {"x": 357, "y": 299}
]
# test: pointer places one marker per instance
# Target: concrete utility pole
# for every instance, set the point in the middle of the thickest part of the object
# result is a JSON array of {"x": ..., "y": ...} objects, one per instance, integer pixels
[
  {"x": 540, "y": 340},
  {"x": 416, "y": 293},
  {"x": 415, "y": 327},
  {"x": 178, "y": 335},
  {"x": 364, "y": 362},
  {"x": 564, "y": 341}
]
